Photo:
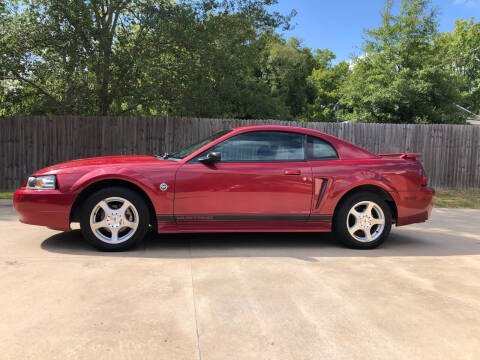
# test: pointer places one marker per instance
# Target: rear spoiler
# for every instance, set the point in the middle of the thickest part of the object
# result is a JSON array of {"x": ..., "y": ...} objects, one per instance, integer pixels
[{"x": 402, "y": 155}]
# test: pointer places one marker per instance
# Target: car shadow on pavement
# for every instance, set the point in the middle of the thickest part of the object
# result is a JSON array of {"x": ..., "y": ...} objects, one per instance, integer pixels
[{"x": 303, "y": 246}]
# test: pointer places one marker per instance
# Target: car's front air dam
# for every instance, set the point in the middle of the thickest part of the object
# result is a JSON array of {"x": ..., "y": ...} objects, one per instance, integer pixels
[{"x": 49, "y": 208}]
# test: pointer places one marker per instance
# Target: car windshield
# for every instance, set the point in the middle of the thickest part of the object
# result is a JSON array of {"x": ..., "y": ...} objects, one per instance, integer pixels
[{"x": 190, "y": 149}]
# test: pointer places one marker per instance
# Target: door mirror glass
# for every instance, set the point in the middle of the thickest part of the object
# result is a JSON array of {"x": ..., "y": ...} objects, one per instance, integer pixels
[{"x": 210, "y": 158}]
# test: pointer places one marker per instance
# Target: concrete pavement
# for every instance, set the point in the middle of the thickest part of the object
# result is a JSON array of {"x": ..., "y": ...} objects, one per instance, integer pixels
[{"x": 242, "y": 296}]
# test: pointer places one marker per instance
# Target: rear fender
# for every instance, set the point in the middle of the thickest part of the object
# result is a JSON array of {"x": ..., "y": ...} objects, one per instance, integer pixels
[{"x": 345, "y": 184}]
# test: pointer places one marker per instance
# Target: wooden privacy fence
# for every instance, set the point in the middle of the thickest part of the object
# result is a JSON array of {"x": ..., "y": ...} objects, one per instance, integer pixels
[{"x": 451, "y": 153}]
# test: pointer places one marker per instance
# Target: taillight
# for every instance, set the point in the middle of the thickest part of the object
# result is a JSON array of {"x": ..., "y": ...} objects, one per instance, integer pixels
[{"x": 424, "y": 180}]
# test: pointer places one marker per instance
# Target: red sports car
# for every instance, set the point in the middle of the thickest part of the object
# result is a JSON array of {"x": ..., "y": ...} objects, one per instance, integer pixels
[{"x": 247, "y": 179}]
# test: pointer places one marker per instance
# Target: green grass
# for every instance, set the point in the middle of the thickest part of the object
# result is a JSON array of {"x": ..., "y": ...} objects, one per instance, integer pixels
[
  {"x": 468, "y": 199},
  {"x": 6, "y": 195}
]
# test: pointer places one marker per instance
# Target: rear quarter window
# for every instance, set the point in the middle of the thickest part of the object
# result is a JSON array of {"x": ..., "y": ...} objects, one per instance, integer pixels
[{"x": 319, "y": 149}]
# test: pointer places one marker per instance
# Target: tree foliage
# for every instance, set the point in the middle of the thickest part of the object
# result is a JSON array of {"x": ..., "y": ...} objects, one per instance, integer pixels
[
  {"x": 402, "y": 77},
  {"x": 224, "y": 58},
  {"x": 328, "y": 79},
  {"x": 131, "y": 56},
  {"x": 462, "y": 49}
]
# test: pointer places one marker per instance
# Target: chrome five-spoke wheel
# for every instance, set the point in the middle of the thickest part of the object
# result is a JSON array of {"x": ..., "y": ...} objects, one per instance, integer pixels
[
  {"x": 365, "y": 221},
  {"x": 114, "y": 220}
]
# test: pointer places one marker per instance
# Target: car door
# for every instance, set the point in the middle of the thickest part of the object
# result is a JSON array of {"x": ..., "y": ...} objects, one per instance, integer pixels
[{"x": 262, "y": 181}]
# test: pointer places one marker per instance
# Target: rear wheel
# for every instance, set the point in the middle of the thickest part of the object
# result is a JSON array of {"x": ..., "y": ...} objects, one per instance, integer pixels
[
  {"x": 363, "y": 221},
  {"x": 114, "y": 219}
]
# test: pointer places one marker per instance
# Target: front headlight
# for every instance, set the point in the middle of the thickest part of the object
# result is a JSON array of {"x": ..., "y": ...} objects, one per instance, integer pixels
[{"x": 46, "y": 182}]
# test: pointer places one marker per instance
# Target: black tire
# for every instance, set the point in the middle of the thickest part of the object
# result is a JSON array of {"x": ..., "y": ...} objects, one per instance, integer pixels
[
  {"x": 341, "y": 229},
  {"x": 115, "y": 192}
]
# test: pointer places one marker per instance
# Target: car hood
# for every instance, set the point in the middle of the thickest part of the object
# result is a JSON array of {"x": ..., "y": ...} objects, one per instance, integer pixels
[{"x": 100, "y": 162}]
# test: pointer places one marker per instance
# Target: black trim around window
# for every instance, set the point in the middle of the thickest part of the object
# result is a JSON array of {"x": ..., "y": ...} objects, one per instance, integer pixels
[
  {"x": 307, "y": 156},
  {"x": 305, "y": 147}
]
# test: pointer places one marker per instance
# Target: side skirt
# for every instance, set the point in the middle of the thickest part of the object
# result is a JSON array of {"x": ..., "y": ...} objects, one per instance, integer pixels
[
  {"x": 275, "y": 217},
  {"x": 244, "y": 223}
]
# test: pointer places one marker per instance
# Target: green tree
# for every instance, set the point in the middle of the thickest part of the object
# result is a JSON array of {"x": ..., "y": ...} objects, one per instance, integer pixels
[
  {"x": 223, "y": 78},
  {"x": 402, "y": 78},
  {"x": 131, "y": 56},
  {"x": 327, "y": 79},
  {"x": 462, "y": 49},
  {"x": 285, "y": 67}
]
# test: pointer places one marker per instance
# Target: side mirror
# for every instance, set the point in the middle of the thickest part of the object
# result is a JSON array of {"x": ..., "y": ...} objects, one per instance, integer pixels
[{"x": 210, "y": 158}]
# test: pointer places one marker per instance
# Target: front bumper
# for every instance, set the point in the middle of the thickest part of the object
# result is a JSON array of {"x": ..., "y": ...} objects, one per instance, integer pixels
[
  {"x": 49, "y": 208},
  {"x": 414, "y": 206}
]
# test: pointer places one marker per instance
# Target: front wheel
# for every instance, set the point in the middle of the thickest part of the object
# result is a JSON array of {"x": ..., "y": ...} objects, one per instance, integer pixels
[
  {"x": 363, "y": 221},
  {"x": 114, "y": 219}
]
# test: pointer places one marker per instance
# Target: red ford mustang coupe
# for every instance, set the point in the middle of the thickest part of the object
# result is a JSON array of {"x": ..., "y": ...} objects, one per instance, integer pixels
[{"x": 247, "y": 179}]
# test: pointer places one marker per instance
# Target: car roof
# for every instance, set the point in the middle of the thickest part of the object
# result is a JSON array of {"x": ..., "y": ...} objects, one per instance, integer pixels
[
  {"x": 297, "y": 129},
  {"x": 279, "y": 128}
]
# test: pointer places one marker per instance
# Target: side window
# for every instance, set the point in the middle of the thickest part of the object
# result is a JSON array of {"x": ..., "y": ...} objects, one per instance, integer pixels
[
  {"x": 262, "y": 146},
  {"x": 319, "y": 149}
]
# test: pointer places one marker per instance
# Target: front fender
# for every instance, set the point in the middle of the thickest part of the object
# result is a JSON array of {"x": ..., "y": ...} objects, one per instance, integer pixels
[{"x": 124, "y": 174}]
